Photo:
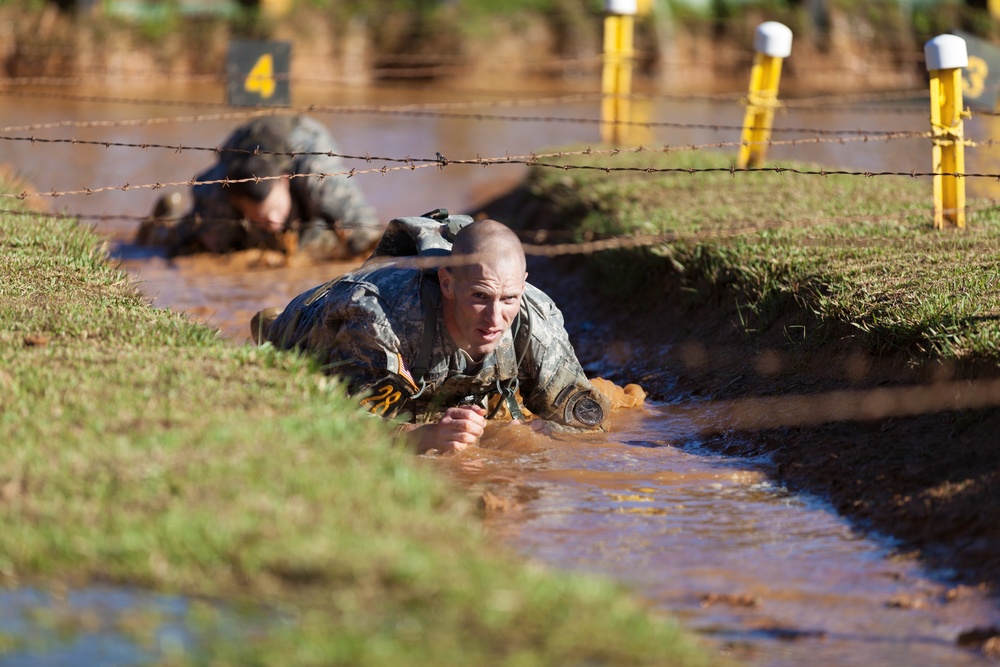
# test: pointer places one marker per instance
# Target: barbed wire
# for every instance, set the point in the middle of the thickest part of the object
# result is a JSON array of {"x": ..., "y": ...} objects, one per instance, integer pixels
[
  {"x": 446, "y": 109},
  {"x": 458, "y": 64},
  {"x": 218, "y": 150},
  {"x": 385, "y": 66},
  {"x": 783, "y": 411},
  {"x": 430, "y": 106},
  {"x": 107, "y": 99},
  {"x": 139, "y": 122},
  {"x": 420, "y": 112},
  {"x": 541, "y": 242},
  {"x": 265, "y": 111},
  {"x": 826, "y": 101},
  {"x": 102, "y": 76},
  {"x": 533, "y": 160}
]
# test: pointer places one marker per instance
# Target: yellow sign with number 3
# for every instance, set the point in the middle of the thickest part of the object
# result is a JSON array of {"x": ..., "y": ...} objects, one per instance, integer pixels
[{"x": 974, "y": 79}]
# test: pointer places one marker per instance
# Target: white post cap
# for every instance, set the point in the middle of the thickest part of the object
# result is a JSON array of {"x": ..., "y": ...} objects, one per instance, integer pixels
[
  {"x": 773, "y": 39},
  {"x": 946, "y": 52},
  {"x": 624, "y": 7}
]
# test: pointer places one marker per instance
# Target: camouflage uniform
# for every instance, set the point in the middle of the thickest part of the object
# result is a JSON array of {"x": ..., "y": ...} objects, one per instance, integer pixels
[
  {"x": 330, "y": 214},
  {"x": 373, "y": 324}
]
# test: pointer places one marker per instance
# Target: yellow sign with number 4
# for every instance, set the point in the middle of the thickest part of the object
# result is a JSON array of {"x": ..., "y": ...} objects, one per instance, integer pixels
[
  {"x": 261, "y": 77},
  {"x": 257, "y": 73}
]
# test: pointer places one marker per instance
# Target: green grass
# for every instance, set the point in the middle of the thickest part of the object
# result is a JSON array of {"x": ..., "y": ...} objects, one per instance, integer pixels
[
  {"x": 141, "y": 450},
  {"x": 854, "y": 250}
]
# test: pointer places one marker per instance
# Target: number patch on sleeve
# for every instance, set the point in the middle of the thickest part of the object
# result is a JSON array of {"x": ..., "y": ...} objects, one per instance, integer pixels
[{"x": 387, "y": 398}]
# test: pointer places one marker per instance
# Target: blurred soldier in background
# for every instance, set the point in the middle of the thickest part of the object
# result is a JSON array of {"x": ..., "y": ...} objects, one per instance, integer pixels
[{"x": 327, "y": 218}]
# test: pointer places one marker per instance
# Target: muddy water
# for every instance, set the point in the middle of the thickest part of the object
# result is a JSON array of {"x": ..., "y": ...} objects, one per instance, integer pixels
[
  {"x": 770, "y": 577},
  {"x": 766, "y": 576}
]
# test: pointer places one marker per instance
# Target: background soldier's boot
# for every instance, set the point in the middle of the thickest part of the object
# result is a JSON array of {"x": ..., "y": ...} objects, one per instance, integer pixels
[
  {"x": 261, "y": 322},
  {"x": 158, "y": 228}
]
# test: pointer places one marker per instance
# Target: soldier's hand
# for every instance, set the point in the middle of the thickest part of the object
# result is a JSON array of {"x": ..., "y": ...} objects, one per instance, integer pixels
[{"x": 457, "y": 429}]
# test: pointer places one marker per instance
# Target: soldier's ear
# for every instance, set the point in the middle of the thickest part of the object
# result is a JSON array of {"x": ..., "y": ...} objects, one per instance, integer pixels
[{"x": 447, "y": 282}]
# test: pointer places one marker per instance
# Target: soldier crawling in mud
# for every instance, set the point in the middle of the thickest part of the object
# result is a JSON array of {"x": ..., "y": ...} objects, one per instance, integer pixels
[
  {"x": 447, "y": 347},
  {"x": 328, "y": 217}
]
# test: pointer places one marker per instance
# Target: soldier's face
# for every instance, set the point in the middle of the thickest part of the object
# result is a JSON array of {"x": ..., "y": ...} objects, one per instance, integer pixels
[
  {"x": 273, "y": 212},
  {"x": 480, "y": 304}
]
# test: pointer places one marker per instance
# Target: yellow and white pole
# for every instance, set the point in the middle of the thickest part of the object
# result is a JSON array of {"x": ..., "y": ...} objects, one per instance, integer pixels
[
  {"x": 772, "y": 43},
  {"x": 946, "y": 55},
  {"x": 616, "y": 79}
]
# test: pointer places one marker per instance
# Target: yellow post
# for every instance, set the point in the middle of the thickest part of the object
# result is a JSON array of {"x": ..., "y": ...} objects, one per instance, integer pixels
[
  {"x": 994, "y": 7},
  {"x": 275, "y": 9},
  {"x": 773, "y": 43},
  {"x": 616, "y": 79},
  {"x": 946, "y": 55}
]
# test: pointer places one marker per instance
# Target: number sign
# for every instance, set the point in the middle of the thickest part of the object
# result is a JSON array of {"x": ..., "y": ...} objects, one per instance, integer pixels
[
  {"x": 981, "y": 79},
  {"x": 257, "y": 73}
]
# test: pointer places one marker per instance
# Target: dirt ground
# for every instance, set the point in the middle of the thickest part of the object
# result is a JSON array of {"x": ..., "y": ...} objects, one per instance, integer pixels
[{"x": 869, "y": 435}]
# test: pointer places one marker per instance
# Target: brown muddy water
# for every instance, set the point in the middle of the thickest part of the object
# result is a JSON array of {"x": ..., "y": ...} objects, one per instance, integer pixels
[{"x": 770, "y": 577}]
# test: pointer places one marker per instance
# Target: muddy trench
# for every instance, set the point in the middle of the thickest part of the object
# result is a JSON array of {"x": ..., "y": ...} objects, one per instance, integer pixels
[
  {"x": 927, "y": 480},
  {"x": 920, "y": 485}
]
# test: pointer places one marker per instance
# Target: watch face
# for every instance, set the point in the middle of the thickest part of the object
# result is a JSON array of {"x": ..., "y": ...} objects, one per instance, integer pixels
[{"x": 588, "y": 411}]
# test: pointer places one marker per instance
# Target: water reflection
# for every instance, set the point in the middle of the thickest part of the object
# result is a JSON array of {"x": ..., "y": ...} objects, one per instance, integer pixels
[{"x": 112, "y": 626}]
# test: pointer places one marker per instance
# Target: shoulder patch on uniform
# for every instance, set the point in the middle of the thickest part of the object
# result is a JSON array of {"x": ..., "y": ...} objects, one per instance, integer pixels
[
  {"x": 394, "y": 363},
  {"x": 580, "y": 408},
  {"x": 404, "y": 372},
  {"x": 588, "y": 411}
]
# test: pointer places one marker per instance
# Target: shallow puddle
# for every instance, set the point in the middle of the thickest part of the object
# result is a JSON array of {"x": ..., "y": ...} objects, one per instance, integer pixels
[{"x": 112, "y": 627}]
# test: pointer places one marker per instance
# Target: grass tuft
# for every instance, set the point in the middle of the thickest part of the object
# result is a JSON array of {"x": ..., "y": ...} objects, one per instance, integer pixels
[{"x": 854, "y": 251}]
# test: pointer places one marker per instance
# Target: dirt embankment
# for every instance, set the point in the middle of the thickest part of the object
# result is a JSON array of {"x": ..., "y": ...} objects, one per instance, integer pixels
[
  {"x": 922, "y": 475},
  {"x": 848, "y": 51}
]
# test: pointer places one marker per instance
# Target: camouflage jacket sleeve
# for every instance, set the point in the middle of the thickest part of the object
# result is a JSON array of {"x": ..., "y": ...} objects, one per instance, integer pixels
[
  {"x": 553, "y": 384},
  {"x": 368, "y": 351},
  {"x": 350, "y": 324}
]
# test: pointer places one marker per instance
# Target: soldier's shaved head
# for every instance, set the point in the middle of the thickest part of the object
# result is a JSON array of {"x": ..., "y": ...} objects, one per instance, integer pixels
[
  {"x": 492, "y": 243},
  {"x": 481, "y": 299}
]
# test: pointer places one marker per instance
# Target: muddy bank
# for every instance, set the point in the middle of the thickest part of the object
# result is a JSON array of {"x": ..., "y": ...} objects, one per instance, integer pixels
[
  {"x": 841, "y": 51},
  {"x": 927, "y": 480}
]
